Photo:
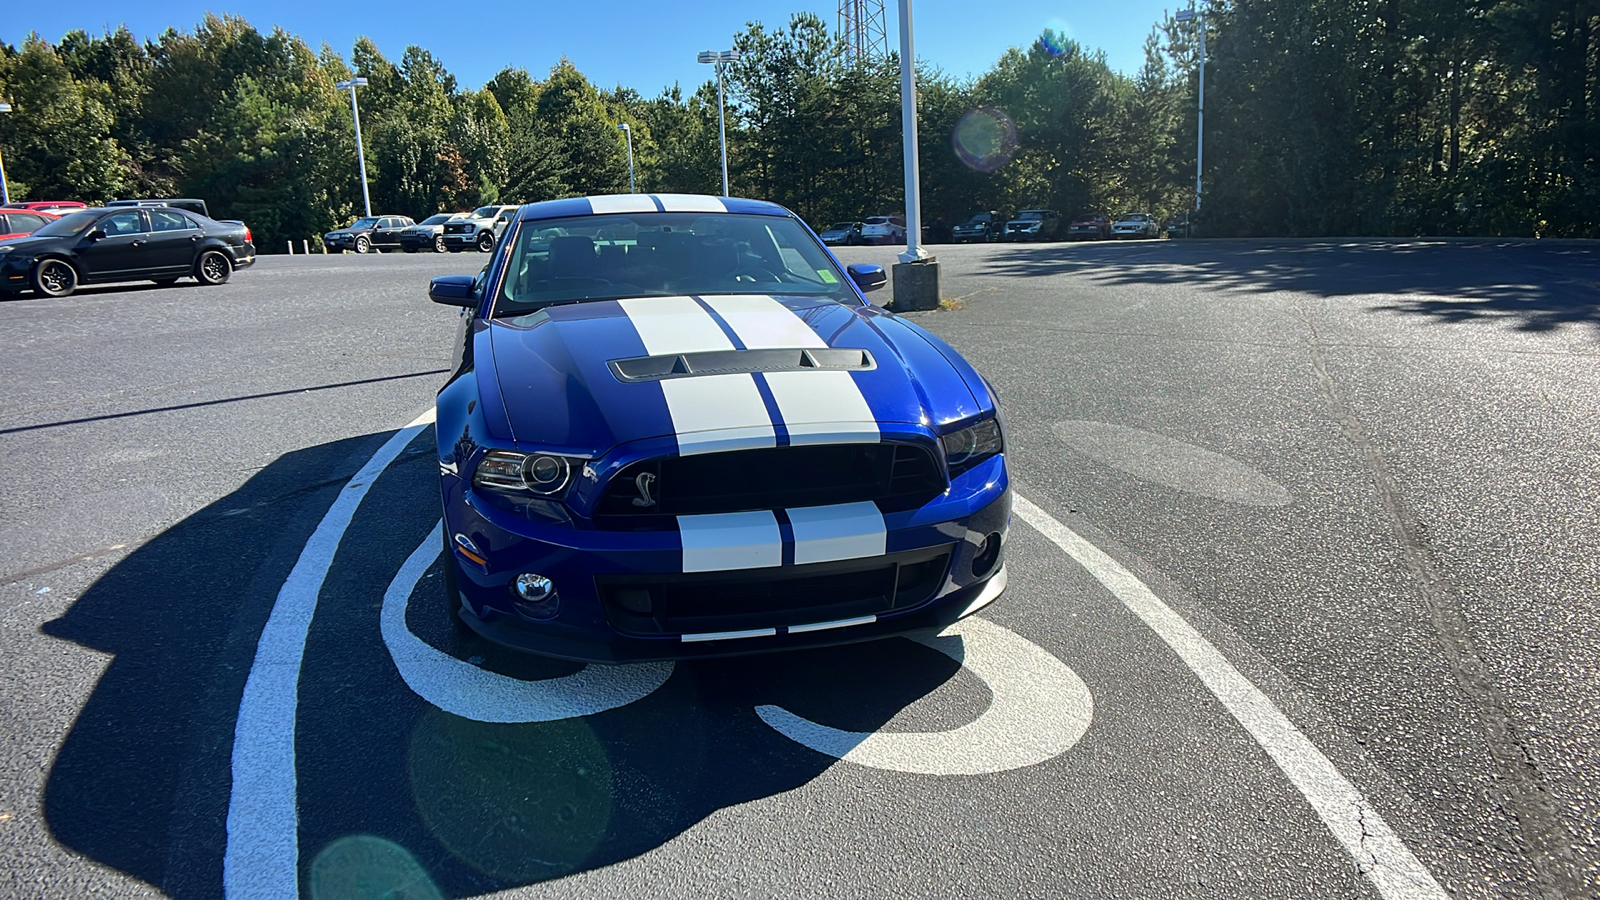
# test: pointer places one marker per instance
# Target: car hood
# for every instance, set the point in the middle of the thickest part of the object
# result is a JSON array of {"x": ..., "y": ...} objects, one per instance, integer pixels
[
  {"x": 561, "y": 387},
  {"x": 30, "y": 244}
]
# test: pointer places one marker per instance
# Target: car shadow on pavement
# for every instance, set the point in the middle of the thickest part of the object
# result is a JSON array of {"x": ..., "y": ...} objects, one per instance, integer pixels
[
  {"x": 1535, "y": 286},
  {"x": 391, "y": 790}
]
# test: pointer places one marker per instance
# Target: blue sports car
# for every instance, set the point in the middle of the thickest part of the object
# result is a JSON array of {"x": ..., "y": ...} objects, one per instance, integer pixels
[{"x": 676, "y": 428}]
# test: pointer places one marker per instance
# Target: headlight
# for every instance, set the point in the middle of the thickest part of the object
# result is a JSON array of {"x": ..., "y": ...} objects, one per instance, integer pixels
[
  {"x": 539, "y": 474},
  {"x": 971, "y": 445},
  {"x": 6, "y": 248}
]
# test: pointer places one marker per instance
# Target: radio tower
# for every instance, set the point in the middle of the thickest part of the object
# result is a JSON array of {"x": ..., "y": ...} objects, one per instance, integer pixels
[{"x": 861, "y": 25}]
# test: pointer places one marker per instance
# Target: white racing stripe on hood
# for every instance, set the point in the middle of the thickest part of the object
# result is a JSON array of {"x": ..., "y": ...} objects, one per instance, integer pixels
[
  {"x": 842, "y": 531},
  {"x": 621, "y": 203},
  {"x": 763, "y": 323},
  {"x": 691, "y": 203},
  {"x": 723, "y": 541},
  {"x": 717, "y": 414},
  {"x": 670, "y": 325},
  {"x": 710, "y": 413},
  {"x": 823, "y": 407}
]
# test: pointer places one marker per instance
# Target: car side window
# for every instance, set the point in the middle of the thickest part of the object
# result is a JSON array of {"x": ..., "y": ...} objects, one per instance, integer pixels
[
  {"x": 131, "y": 222},
  {"x": 166, "y": 220},
  {"x": 26, "y": 222}
]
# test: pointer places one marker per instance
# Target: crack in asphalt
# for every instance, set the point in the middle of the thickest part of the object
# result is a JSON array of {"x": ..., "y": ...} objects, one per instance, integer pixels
[{"x": 1538, "y": 828}]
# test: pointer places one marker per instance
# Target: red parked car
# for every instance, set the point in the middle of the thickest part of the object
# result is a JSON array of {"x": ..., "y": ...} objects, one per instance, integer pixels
[
  {"x": 1090, "y": 227},
  {"x": 59, "y": 207},
  {"x": 15, "y": 223}
]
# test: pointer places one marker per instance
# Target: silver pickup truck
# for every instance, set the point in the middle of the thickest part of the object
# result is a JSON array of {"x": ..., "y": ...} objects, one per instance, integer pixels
[{"x": 478, "y": 230}]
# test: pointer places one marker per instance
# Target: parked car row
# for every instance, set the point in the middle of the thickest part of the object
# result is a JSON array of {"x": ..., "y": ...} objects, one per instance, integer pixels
[
  {"x": 439, "y": 233},
  {"x": 1045, "y": 225}
]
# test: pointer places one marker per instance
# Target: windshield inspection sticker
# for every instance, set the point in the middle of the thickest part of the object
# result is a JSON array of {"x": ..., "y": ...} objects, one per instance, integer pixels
[{"x": 827, "y": 276}]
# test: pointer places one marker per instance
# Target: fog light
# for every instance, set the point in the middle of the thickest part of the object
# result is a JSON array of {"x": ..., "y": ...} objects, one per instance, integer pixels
[
  {"x": 534, "y": 596},
  {"x": 988, "y": 554}
]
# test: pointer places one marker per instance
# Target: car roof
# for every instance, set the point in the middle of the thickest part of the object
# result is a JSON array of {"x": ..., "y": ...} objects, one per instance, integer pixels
[{"x": 623, "y": 203}]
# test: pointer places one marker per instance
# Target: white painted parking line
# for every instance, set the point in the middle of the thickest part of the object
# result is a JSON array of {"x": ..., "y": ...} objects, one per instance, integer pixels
[
  {"x": 262, "y": 858},
  {"x": 1378, "y": 852},
  {"x": 1040, "y": 708},
  {"x": 462, "y": 689}
]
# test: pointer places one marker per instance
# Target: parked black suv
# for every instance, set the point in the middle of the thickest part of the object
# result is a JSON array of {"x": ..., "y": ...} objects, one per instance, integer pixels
[{"x": 982, "y": 226}]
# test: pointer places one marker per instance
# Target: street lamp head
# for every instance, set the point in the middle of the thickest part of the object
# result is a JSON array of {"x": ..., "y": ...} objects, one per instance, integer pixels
[
  {"x": 624, "y": 127},
  {"x": 718, "y": 56},
  {"x": 351, "y": 83},
  {"x": 1184, "y": 15},
  {"x": 5, "y": 107},
  {"x": 728, "y": 56},
  {"x": 707, "y": 56}
]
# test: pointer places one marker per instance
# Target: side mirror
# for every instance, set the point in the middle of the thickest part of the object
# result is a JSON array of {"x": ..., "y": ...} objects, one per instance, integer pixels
[
  {"x": 868, "y": 278},
  {"x": 453, "y": 290},
  {"x": 96, "y": 235}
]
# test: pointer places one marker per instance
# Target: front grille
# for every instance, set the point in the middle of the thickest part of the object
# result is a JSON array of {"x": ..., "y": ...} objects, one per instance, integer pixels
[
  {"x": 769, "y": 598},
  {"x": 895, "y": 476},
  {"x": 458, "y": 228}
]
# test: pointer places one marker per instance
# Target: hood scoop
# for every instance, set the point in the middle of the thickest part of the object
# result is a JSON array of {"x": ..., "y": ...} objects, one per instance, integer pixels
[{"x": 734, "y": 362}]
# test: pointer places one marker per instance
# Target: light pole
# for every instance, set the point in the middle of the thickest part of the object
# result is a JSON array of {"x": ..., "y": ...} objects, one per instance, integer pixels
[
  {"x": 5, "y": 192},
  {"x": 361, "y": 156},
  {"x": 908, "y": 140},
  {"x": 916, "y": 275},
  {"x": 717, "y": 59},
  {"x": 629, "y": 132},
  {"x": 1188, "y": 15}
]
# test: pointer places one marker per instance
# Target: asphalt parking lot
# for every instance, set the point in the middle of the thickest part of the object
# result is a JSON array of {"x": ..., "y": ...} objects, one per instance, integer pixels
[{"x": 1302, "y": 603}]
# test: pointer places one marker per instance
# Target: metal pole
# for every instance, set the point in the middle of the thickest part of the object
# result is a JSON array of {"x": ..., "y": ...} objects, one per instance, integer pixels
[
  {"x": 361, "y": 156},
  {"x": 722, "y": 128},
  {"x": 632, "y": 189},
  {"x": 908, "y": 129},
  {"x": 1200, "y": 127},
  {"x": 5, "y": 190}
]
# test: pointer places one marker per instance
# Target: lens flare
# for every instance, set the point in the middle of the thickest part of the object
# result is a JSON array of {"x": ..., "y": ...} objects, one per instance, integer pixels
[
  {"x": 985, "y": 139},
  {"x": 517, "y": 802},
  {"x": 364, "y": 865},
  {"x": 1056, "y": 39}
]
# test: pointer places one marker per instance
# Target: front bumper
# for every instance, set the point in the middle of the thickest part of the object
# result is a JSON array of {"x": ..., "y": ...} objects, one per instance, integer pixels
[
  {"x": 410, "y": 241},
  {"x": 14, "y": 271},
  {"x": 944, "y": 537},
  {"x": 339, "y": 241},
  {"x": 462, "y": 241}
]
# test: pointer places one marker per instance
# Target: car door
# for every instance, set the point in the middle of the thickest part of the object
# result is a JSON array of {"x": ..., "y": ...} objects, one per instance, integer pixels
[
  {"x": 392, "y": 226},
  {"x": 174, "y": 240},
  {"x": 116, "y": 247}
]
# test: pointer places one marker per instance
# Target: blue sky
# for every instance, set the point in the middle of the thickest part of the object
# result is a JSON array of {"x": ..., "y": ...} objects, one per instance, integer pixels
[{"x": 643, "y": 44}]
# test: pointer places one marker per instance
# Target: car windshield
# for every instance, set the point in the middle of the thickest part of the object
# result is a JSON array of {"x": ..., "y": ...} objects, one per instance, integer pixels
[
  {"x": 485, "y": 212},
  {"x": 69, "y": 225},
  {"x": 364, "y": 223},
  {"x": 841, "y": 226},
  {"x": 439, "y": 219},
  {"x": 1030, "y": 215},
  {"x": 978, "y": 219},
  {"x": 610, "y": 257}
]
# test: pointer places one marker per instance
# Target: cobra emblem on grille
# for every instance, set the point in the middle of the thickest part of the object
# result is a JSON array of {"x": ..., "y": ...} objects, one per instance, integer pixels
[{"x": 646, "y": 483}]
